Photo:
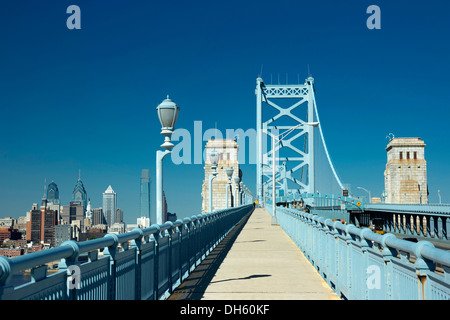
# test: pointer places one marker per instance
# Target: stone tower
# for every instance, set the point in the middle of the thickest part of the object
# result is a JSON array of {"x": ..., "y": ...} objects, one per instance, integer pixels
[
  {"x": 405, "y": 176},
  {"x": 228, "y": 157}
]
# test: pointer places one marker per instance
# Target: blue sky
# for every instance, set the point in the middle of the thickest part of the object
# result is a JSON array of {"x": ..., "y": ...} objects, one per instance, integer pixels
[{"x": 86, "y": 99}]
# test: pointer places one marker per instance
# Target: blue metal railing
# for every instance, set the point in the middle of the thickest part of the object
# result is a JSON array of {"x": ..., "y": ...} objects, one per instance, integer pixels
[
  {"x": 360, "y": 264},
  {"x": 157, "y": 261},
  {"x": 425, "y": 221}
]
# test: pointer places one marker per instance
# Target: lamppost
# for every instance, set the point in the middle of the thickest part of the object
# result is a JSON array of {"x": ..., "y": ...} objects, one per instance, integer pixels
[
  {"x": 229, "y": 174},
  {"x": 439, "y": 194},
  {"x": 214, "y": 157},
  {"x": 168, "y": 115},
  {"x": 241, "y": 193},
  {"x": 236, "y": 190},
  {"x": 275, "y": 141},
  {"x": 370, "y": 197}
]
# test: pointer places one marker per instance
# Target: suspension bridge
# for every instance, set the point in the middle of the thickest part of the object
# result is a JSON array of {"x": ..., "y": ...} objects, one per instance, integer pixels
[{"x": 303, "y": 236}]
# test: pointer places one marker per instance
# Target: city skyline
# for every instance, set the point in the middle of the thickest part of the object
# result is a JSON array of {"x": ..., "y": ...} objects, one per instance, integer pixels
[{"x": 96, "y": 90}]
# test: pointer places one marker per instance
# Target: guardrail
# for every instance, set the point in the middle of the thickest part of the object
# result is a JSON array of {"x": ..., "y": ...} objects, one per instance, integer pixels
[
  {"x": 429, "y": 221},
  {"x": 157, "y": 260},
  {"x": 360, "y": 264}
]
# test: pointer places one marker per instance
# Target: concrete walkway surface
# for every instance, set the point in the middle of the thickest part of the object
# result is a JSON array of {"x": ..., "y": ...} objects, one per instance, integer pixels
[{"x": 257, "y": 261}]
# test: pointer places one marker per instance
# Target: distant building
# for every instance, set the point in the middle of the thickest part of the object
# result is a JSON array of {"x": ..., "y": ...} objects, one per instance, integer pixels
[
  {"x": 72, "y": 212},
  {"x": 97, "y": 216},
  {"x": 9, "y": 233},
  {"x": 79, "y": 195},
  {"x": 228, "y": 157},
  {"x": 143, "y": 222},
  {"x": 11, "y": 253},
  {"x": 92, "y": 234},
  {"x": 119, "y": 215},
  {"x": 406, "y": 171},
  {"x": 7, "y": 222},
  {"x": 88, "y": 213},
  {"x": 172, "y": 217},
  {"x": 145, "y": 194},
  {"x": 22, "y": 225},
  {"x": 63, "y": 232},
  {"x": 41, "y": 225},
  {"x": 53, "y": 193},
  {"x": 117, "y": 228},
  {"x": 14, "y": 244},
  {"x": 164, "y": 208},
  {"x": 109, "y": 206}
]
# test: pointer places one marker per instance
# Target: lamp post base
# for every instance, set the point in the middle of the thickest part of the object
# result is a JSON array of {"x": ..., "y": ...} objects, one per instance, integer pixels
[{"x": 274, "y": 221}]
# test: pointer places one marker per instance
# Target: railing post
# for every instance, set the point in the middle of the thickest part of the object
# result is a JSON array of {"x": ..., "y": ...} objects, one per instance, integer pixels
[
  {"x": 364, "y": 294},
  {"x": 423, "y": 268},
  {"x": 111, "y": 253},
  {"x": 65, "y": 265},
  {"x": 388, "y": 254},
  {"x": 136, "y": 243},
  {"x": 156, "y": 235},
  {"x": 170, "y": 249}
]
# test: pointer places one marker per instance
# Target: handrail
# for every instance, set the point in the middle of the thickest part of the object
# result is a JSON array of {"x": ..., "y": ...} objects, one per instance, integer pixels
[
  {"x": 343, "y": 263},
  {"x": 69, "y": 251}
]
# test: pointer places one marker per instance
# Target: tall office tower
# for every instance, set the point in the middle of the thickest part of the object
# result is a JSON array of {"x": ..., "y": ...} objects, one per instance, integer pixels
[
  {"x": 109, "y": 206},
  {"x": 79, "y": 195},
  {"x": 97, "y": 216},
  {"x": 145, "y": 194},
  {"x": 52, "y": 199},
  {"x": 119, "y": 215},
  {"x": 53, "y": 193},
  {"x": 41, "y": 225},
  {"x": 228, "y": 157},
  {"x": 406, "y": 171},
  {"x": 164, "y": 209},
  {"x": 71, "y": 213}
]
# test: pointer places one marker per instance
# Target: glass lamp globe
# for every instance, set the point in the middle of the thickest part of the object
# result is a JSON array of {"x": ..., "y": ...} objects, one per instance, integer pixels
[
  {"x": 214, "y": 157},
  {"x": 167, "y": 114},
  {"x": 229, "y": 172}
]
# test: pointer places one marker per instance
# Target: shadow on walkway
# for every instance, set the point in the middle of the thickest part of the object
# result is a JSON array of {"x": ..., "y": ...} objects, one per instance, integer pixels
[{"x": 194, "y": 286}]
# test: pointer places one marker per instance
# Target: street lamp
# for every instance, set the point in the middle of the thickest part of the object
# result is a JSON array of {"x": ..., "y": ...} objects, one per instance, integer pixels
[
  {"x": 439, "y": 194},
  {"x": 241, "y": 193},
  {"x": 214, "y": 157},
  {"x": 168, "y": 115},
  {"x": 275, "y": 141},
  {"x": 370, "y": 197},
  {"x": 236, "y": 181},
  {"x": 229, "y": 174}
]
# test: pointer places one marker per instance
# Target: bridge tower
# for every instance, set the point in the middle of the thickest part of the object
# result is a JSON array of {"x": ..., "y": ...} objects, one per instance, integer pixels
[
  {"x": 406, "y": 171},
  {"x": 289, "y": 115},
  {"x": 228, "y": 157}
]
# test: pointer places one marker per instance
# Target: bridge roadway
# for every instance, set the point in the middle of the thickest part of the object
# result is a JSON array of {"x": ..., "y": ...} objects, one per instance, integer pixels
[{"x": 256, "y": 261}]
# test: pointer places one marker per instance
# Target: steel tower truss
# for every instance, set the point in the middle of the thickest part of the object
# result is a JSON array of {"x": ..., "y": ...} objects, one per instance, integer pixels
[
  {"x": 301, "y": 129},
  {"x": 300, "y": 95}
]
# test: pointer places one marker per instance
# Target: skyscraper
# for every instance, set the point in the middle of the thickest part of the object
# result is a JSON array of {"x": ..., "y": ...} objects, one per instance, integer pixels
[
  {"x": 53, "y": 193},
  {"x": 164, "y": 208},
  {"x": 145, "y": 194},
  {"x": 79, "y": 195},
  {"x": 109, "y": 206},
  {"x": 97, "y": 216}
]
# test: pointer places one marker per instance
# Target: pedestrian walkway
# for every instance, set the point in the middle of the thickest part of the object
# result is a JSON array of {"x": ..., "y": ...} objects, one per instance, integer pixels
[{"x": 257, "y": 261}]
